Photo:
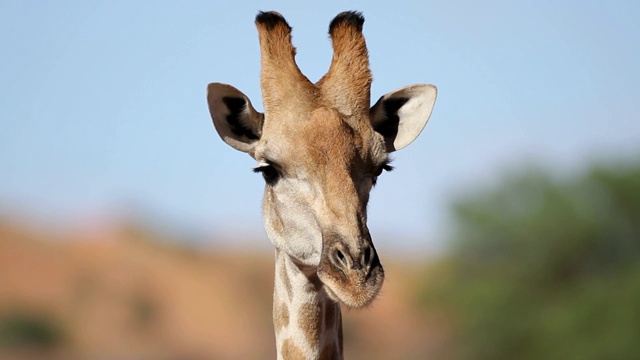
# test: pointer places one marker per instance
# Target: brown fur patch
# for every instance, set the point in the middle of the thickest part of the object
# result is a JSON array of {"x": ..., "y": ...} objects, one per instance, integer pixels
[
  {"x": 308, "y": 318},
  {"x": 280, "y": 315},
  {"x": 291, "y": 351}
]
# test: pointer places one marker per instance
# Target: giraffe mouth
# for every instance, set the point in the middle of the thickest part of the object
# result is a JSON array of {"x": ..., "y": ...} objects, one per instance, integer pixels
[{"x": 354, "y": 288}]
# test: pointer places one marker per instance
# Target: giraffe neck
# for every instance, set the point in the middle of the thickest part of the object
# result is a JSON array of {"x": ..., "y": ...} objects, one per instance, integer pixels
[{"x": 308, "y": 325}]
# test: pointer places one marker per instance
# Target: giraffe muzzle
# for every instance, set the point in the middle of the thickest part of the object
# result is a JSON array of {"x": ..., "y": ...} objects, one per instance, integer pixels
[{"x": 351, "y": 276}]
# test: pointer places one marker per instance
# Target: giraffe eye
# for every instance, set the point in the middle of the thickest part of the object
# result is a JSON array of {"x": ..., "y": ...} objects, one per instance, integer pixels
[
  {"x": 383, "y": 167},
  {"x": 378, "y": 172},
  {"x": 269, "y": 173}
]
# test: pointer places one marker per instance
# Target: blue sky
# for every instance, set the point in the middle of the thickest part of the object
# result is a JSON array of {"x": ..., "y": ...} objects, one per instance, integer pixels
[{"x": 102, "y": 103}]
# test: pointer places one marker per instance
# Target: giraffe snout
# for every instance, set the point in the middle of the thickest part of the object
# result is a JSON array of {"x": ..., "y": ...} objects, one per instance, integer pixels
[
  {"x": 352, "y": 275},
  {"x": 365, "y": 258}
]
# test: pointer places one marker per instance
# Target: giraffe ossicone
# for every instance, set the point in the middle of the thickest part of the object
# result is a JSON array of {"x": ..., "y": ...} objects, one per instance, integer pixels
[{"x": 320, "y": 148}]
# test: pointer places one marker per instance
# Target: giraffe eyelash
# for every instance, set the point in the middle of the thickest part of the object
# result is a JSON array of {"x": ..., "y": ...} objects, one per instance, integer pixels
[
  {"x": 384, "y": 167},
  {"x": 269, "y": 172}
]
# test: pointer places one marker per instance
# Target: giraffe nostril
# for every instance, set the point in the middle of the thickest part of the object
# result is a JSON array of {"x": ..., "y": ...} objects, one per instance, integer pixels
[
  {"x": 340, "y": 259},
  {"x": 367, "y": 256}
]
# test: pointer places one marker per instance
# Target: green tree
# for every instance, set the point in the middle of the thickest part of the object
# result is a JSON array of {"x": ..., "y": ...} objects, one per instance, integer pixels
[
  {"x": 25, "y": 330},
  {"x": 542, "y": 268}
]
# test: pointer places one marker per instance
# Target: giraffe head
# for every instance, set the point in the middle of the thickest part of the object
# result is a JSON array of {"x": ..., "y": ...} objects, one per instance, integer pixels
[{"x": 320, "y": 148}]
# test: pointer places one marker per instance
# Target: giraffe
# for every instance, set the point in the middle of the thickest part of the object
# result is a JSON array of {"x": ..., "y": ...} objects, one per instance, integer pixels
[{"x": 320, "y": 148}]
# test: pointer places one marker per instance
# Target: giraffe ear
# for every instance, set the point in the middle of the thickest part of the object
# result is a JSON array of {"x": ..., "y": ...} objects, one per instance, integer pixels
[
  {"x": 235, "y": 119},
  {"x": 401, "y": 115}
]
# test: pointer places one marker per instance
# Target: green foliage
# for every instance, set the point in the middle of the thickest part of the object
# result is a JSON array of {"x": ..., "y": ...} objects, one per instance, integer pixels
[
  {"x": 547, "y": 269},
  {"x": 28, "y": 331}
]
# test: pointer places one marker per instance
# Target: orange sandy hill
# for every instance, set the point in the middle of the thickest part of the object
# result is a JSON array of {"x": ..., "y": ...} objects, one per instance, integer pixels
[{"x": 119, "y": 294}]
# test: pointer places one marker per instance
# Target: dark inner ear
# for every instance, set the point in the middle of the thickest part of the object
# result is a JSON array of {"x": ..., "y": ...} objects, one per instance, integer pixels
[
  {"x": 237, "y": 107},
  {"x": 389, "y": 126}
]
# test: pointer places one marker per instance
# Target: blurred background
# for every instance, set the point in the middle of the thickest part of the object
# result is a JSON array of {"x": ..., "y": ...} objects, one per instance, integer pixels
[{"x": 509, "y": 230}]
